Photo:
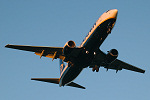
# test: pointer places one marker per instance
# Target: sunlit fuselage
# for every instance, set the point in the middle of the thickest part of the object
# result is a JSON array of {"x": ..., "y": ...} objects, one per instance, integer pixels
[{"x": 91, "y": 42}]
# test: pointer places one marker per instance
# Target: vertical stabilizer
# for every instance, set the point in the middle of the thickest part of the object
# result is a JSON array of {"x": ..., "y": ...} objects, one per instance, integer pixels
[{"x": 62, "y": 66}]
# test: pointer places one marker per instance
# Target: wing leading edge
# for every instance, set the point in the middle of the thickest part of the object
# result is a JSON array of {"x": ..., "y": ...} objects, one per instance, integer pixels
[{"x": 116, "y": 65}]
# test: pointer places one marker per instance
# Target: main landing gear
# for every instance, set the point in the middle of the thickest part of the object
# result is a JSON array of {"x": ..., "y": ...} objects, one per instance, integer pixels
[{"x": 95, "y": 68}]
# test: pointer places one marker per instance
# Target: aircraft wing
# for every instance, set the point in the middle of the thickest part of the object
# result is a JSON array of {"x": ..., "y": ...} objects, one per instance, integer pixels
[
  {"x": 127, "y": 66},
  {"x": 116, "y": 65},
  {"x": 51, "y": 52}
]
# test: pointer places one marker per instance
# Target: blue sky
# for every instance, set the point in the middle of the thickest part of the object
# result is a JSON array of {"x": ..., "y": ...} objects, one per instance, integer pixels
[{"x": 53, "y": 23}]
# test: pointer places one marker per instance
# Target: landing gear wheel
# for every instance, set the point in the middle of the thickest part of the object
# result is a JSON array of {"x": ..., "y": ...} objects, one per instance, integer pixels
[
  {"x": 97, "y": 69},
  {"x": 93, "y": 69}
]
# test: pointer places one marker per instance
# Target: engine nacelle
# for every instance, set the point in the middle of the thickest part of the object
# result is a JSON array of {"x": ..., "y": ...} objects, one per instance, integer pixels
[
  {"x": 111, "y": 56},
  {"x": 68, "y": 47}
]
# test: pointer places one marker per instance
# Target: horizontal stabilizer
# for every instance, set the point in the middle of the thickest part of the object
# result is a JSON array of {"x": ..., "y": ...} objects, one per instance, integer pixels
[
  {"x": 56, "y": 81},
  {"x": 75, "y": 85},
  {"x": 50, "y": 80}
]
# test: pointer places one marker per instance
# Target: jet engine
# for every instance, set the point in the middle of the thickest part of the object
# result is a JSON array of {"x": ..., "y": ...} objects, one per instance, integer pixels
[
  {"x": 111, "y": 56},
  {"x": 68, "y": 47}
]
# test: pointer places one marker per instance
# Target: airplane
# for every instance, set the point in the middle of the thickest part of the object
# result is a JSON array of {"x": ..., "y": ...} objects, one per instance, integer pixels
[{"x": 86, "y": 55}]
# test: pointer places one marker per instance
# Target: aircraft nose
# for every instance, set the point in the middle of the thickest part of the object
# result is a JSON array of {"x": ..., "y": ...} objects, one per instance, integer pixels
[{"x": 114, "y": 13}]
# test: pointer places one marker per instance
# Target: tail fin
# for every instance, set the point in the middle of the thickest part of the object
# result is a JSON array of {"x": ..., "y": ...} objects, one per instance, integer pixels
[{"x": 62, "y": 65}]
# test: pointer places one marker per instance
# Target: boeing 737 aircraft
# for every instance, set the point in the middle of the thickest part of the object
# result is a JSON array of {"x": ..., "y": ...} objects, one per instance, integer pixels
[{"x": 86, "y": 55}]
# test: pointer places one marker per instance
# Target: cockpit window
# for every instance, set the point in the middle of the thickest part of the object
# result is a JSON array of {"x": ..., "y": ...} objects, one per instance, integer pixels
[{"x": 107, "y": 11}]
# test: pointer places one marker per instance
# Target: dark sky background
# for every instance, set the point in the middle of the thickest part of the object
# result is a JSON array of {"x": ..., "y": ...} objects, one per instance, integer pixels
[{"x": 53, "y": 23}]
